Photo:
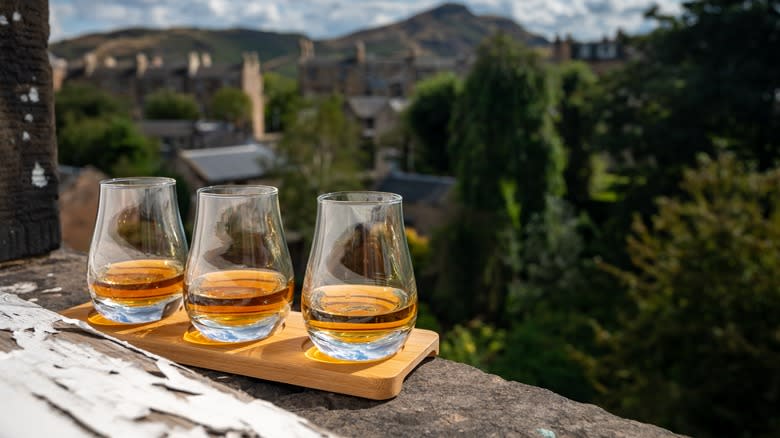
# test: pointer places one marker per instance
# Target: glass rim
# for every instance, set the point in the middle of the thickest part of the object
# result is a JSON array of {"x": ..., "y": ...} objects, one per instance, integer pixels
[
  {"x": 362, "y": 197},
  {"x": 237, "y": 191},
  {"x": 137, "y": 182}
]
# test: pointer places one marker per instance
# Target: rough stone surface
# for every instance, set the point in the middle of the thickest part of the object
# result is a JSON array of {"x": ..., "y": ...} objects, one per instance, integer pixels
[{"x": 439, "y": 398}]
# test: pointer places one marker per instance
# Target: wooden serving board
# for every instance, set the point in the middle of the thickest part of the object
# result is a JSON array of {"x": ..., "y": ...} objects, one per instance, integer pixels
[{"x": 288, "y": 356}]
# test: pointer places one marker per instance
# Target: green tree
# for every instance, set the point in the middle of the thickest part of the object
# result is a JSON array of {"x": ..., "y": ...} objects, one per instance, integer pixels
[
  {"x": 319, "y": 153},
  {"x": 428, "y": 117},
  {"x": 231, "y": 105},
  {"x": 78, "y": 101},
  {"x": 506, "y": 154},
  {"x": 112, "y": 144},
  {"x": 706, "y": 81},
  {"x": 282, "y": 100},
  {"x": 170, "y": 105},
  {"x": 502, "y": 129},
  {"x": 699, "y": 349},
  {"x": 575, "y": 126}
]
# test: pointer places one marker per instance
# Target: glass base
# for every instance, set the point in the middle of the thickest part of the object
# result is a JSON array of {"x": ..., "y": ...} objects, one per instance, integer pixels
[
  {"x": 381, "y": 348},
  {"x": 117, "y": 312},
  {"x": 251, "y": 332}
]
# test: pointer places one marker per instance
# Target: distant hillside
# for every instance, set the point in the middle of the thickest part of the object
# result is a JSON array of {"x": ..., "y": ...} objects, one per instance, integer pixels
[
  {"x": 448, "y": 30},
  {"x": 225, "y": 46}
]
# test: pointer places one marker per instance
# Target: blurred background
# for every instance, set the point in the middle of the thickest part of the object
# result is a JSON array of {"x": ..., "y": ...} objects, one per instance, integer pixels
[{"x": 591, "y": 188}]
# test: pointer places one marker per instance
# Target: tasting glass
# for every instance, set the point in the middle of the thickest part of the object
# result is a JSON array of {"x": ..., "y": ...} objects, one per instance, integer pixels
[
  {"x": 238, "y": 284},
  {"x": 136, "y": 258},
  {"x": 359, "y": 298}
]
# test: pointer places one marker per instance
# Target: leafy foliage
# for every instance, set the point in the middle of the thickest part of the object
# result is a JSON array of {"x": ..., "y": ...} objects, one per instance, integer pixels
[
  {"x": 502, "y": 130},
  {"x": 706, "y": 82},
  {"x": 319, "y": 153},
  {"x": 170, "y": 105},
  {"x": 577, "y": 83},
  {"x": 699, "y": 349},
  {"x": 94, "y": 128},
  {"x": 77, "y": 101},
  {"x": 428, "y": 117},
  {"x": 506, "y": 155},
  {"x": 113, "y": 145},
  {"x": 282, "y": 100},
  {"x": 475, "y": 343},
  {"x": 231, "y": 105}
]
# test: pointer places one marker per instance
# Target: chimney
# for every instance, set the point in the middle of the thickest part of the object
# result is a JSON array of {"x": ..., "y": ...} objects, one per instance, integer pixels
[
  {"x": 141, "y": 64},
  {"x": 109, "y": 61},
  {"x": 193, "y": 64},
  {"x": 90, "y": 63},
  {"x": 360, "y": 52},
  {"x": 414, "y": 51},
  {"x": 306, "y": 47},
  {"x": 205, "y": 59},
  {"x": 251, "y": 60},
  {"x": 157, "y": 61}
]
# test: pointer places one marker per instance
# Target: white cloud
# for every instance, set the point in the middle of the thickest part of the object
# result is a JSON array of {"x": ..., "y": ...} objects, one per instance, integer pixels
[{"x": 585, "y": 19}]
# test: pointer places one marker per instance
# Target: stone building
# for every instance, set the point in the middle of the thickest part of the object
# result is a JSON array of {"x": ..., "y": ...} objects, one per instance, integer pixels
[
  {"x": 364, "y": 75},
  {"x": 198, "y": 76},
  {"x": 601, "y": 55}
]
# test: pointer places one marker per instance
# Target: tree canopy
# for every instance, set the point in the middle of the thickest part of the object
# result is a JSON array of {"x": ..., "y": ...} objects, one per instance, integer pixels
[
  {"x": 170, "y": 105},
  {"x": 502, "y": 130},
  {"x": 281, "y": 100},
  {"x": 319, "y": 153},
  {"x": 94, "y": 128},
  {"x": 231, "y": 105},
  {"x": 428, "y": 117},
  {"x": 698, "y": 351}
]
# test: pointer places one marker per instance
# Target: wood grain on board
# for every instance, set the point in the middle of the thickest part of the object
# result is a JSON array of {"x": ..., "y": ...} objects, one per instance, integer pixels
[{"x": 280, "y": 358}]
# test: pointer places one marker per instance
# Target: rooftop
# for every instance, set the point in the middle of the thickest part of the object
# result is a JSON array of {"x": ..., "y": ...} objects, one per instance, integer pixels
[
  {"x": 231, "y": 163},
  {"x": 416, "y": 187}
]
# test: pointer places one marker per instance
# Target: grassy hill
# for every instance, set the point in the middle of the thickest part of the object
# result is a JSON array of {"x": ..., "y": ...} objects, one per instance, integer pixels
[{"x": 448, "y": 30}]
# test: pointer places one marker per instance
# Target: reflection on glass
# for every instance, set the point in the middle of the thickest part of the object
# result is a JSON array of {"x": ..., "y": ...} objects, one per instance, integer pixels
[
  {"x": 136, "y": 260},
  {"x": 239, "y": 277},
  {"x": 359, "y": 297}
]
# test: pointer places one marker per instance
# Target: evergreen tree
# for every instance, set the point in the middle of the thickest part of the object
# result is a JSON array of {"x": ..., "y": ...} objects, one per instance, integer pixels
[
  {"x": 502, "y": 130},
  {"x": 576, "y": 81},
  {"x": 698, "y": 350},
  {"x": 506, "y": 155},
  {"x": 428, "y": 117}
]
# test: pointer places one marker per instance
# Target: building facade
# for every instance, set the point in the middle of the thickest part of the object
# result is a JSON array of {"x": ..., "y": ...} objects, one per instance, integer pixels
[
  {"x": 601, "y": 55},
  {"x": 198, "y": 76},
  {"x": 364, "y": 75}
]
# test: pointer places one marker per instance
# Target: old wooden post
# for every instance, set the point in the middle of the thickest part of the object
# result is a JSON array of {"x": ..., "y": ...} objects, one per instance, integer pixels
[{"x": 29, "y": 223}]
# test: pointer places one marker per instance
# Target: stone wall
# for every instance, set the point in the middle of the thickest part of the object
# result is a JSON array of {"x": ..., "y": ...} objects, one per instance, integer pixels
[{"x": 439, "y": 398}]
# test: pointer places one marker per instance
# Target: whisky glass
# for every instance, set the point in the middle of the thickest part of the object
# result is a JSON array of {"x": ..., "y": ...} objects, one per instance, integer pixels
[
  {"x": 359, "y": 297},
  {"x": 238, "y": 283},
  {"x": 136, "y": 259}
]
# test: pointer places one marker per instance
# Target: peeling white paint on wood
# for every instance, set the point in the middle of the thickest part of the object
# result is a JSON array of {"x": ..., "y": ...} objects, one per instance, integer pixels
[
  {"x": 3, "y": 20},
  {"x": 24, "y": 98},
  {"x": 25, "y": 136},
  {"x": 64, "y": 388},
  {"x": 17, "y": 16},
  {"x": 22, "y": 287},
  {"x": 39, "y": 176},
  {"x": 33, "y": 94},
  {"x": 28, "y": 118},
  {"x": 52, "y": 290}
]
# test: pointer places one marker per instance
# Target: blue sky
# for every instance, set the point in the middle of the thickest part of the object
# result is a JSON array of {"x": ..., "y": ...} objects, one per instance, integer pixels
[{"x": 585, "y": 19}]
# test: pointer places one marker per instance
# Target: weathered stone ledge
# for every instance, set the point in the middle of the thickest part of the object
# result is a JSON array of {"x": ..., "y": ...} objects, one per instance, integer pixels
[{"x": 439, "y": 398}]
